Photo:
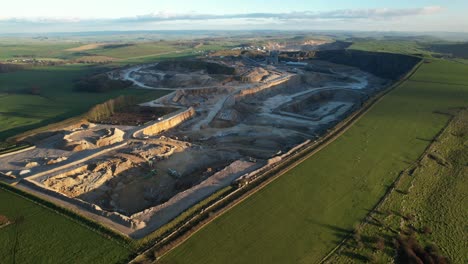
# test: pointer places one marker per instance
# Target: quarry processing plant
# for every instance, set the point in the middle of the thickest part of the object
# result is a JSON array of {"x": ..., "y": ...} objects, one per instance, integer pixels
[{"x": 226, "y": 119}]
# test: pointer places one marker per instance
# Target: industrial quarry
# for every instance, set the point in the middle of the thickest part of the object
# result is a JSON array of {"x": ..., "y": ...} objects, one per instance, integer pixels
[
  {"x": 200, "y": 132},
  {"x": 225, "y": 120}
]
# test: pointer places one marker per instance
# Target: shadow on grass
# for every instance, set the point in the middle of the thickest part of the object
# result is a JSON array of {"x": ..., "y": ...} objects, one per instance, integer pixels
[
  {"x": 355, "y": 256},
  {"x": 339, "y": 232},
  {"x": 21, "y": 129},
  {"x": 425, "y": 139},
  {"x": 402, "y": 192}
]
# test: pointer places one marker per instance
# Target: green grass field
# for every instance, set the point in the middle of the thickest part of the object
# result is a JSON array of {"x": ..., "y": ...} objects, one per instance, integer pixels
[
  {"x": 442, "y": 72},
  {"x": 391, "y": 46},
  {"x": 57, "y": 101},
  {"x": 137, "y": 50},
  {"x": 305, "y": 213},
  {"x": 61, "y": 49},
  {"x": 434, "y": 194},
  {"x": 39, "y": 235},
  {"x": 36, "y": 49},
  {"x": 153, "y": 58}
]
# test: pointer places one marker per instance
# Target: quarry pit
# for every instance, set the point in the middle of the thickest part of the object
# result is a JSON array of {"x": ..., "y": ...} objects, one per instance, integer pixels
[{"x": 224, "y": 119}]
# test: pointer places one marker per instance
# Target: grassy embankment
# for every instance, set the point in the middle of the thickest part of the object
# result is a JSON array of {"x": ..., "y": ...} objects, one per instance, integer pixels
[{"x": 305, "y": 213}]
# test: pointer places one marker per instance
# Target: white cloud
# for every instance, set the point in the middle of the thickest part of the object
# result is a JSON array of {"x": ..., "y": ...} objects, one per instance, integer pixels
[{"x": 204, "y": 19}]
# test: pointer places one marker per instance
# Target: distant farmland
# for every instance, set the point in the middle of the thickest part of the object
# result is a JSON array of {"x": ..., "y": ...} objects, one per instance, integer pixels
[
  {"x": 33, "y": 49},
  {"x": 123, "y": 52},
  {"x": 305, "y": 213},
  {"x": 20, "y": 110}
]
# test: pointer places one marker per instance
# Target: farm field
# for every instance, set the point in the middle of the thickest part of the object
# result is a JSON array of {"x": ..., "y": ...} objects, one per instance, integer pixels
[
  {"x": 39, "y": 235},
  {"x": 442, "y": 72},
  {"x": 391, "y": 46},
  {"x": 36, "y": 49},
  {"x": 305, "y": 213},
  {"x": 136, "y": 50},
  {"x": 154, "y": 57},
  {"x": 420, "y": 206},
  {"x": 21, "y": 111},
  {"x": 124, "y": 52},
  {"x": 150, "y": 52},
  {"x": 71, "y": 50}
]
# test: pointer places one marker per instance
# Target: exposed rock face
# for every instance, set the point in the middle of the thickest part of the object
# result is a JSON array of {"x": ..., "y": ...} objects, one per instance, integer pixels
[
  {"x": 385, "y": 65},
  {"x": 114, "y": 216},
  {"x": 108, "y": 137},
  {"x": 169, "y": 123},
  {"x": 89, "y": 177},
  {"x": 113, "y": 136},
  {"x": 255, "y": 75},
  {"x": 279, "y": 84},
  {"x": 158, "y": 215}
]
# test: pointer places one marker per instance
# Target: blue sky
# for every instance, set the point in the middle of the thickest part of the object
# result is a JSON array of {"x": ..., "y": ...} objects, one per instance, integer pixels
[{"x": 94, "y": 15}]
